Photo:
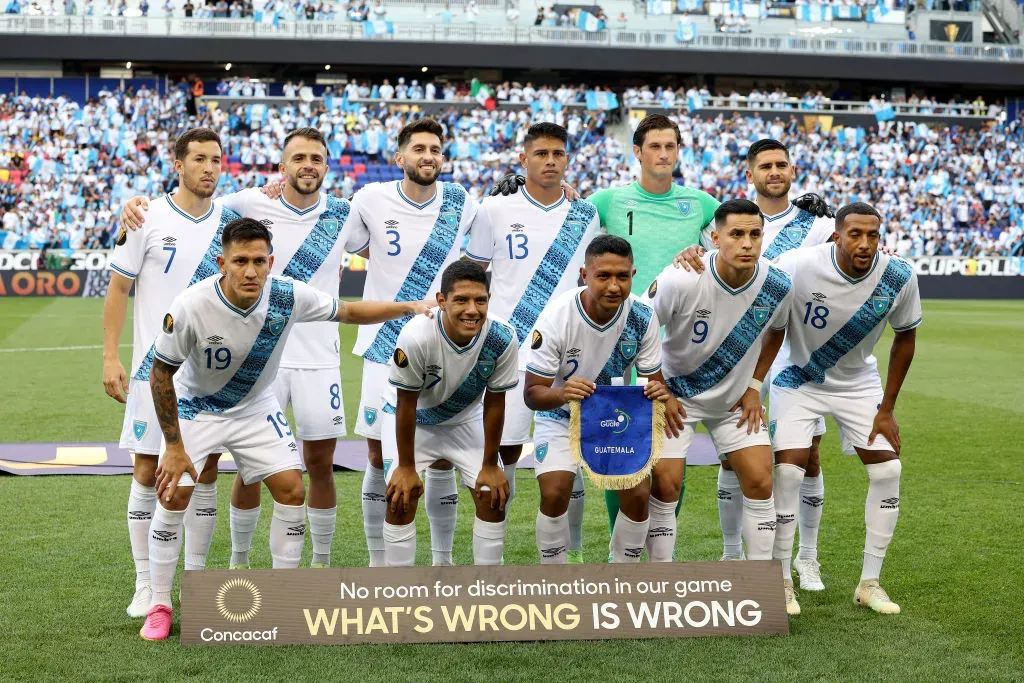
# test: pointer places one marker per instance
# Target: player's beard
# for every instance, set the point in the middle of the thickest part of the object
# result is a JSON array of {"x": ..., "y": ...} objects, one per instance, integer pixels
[
  {"x": 763, "y": 191},
  {"x": 197, "y": 189},
  {"x": 294, "y": 182},
  {"x": 413, "y": 174}
]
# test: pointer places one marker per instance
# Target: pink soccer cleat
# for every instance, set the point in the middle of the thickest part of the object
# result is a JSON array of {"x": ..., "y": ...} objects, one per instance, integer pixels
[{"x": 158, "y": 623}]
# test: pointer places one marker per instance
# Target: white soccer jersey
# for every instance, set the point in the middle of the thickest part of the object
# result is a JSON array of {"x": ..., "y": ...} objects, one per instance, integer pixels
[
  {"x": 410, "y": 245},
  {"x": 229, "y": 357},
  {"x": 835, "y": 321},
  {"x": 306, "y": 247},
  {"x": 535, "y": 252},
  {"x": 171, "y": 252},
  {"x": 794, "y": 228},
  {"x": 713, "y": 333},
  {"x": 567, "y": 343},
  {"x": 451, "y": 379}
]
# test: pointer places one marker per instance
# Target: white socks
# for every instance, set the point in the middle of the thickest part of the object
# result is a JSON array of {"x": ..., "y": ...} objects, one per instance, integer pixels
[
  {"x": 442, "y": 504},
  {"x": 374, "y": 507},
  {"x": 812, "y": 497},
  {"x": 164, "y": 549},
  {"x": 243, "y": 526},
  {"x": 881, "y": 510},
  {"x": 399, "y": 544},
  {"x": 661, "y": 534},
  {"x": 510, "y": 474},
  {"x": 552, "y": 538},
  {"x": 759, "y": 527},
  {"x": 488, "y": 542},
  {"x": 628, "y": 538},
  {"x": 287, "y": 535},
  {"x": 141, "y": 504},
  {"x": 576, "y": 501},
  {"x": 730, "y": 513},
  {"x": 200, "y": 523},
  {"x": 321, "y": 528},
  {"x": 786, "y": 490}
]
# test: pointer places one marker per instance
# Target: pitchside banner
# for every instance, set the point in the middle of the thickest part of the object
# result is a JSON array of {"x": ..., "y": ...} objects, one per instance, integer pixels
[{"x": 347, "y": 606}]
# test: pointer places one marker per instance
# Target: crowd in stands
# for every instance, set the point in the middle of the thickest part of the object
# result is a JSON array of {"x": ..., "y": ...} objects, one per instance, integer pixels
[{"x": 66, "y": 168}]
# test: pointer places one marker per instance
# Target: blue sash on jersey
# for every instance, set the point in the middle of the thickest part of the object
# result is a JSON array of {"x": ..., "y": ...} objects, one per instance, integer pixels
[
  {"x": 867, "y": 317},
  {"x": 207, "y": 268},
  {"x": 279, "y": 311},
  {"x": 792, "y": 236},
  {"x": 314, "y": 250},
  {"x": 424, "y": 269},
  {"x": 495, "y": 343},
  {"x": 739, "y": 340},
  {"x": 552, "y": 268}
]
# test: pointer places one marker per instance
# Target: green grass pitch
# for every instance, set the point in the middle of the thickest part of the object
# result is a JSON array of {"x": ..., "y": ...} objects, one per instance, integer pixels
[{"x": 956, "y": 564}]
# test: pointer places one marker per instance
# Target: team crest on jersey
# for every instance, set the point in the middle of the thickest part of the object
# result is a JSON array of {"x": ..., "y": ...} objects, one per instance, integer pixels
[
  {"x": 652, "y": 290},
  {"x": 761, "y": 314},
  {"x": 122, "y": 237},
  {"x": 540, "y": 452},
  {"x": 275, "y": 324},
  {"x": 684, "y": 206},
  {"x": 880, "y": 304},
  {"x": 576, "y": 227},
  {"x": 401, "y": 360},
  {"x": 627, "y": 348},
  {"x": 331, "y": 226},
  {"x": 139, "y": 428},
  {"x": 450, "y": 219},
  {"x": 168, "y": 323},
  {"x": 485, "y": 368},
  {"x": 771, "y": 430},
  {"x": 795, "y": 234},
  {"x": 537, "y": 340},
  {"x": 370, "y": 415}
]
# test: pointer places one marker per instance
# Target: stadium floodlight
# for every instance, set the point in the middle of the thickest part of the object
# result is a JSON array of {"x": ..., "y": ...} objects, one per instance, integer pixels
[
  {"x": 227, "y": 67},
  {"x": 128, "y": 65},
  {"x": 327, "y": 67},
  {"x": 424, "y": 69}
]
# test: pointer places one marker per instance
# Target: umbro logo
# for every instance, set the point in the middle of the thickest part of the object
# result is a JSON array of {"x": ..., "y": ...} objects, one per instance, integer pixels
[
  {"x": 391, "y": 222},
  {"x": 573, "y": 353},
  {"x": 138, "y": 515},
  {"x": 818, "y": 296},
  {"x": 169, "y": 240},
  {"x": 338, "y": 419},
  {"x": 292, "y": 447},
  {"x": 576, "y": 495},
  {"x": 267, "y": 222},
  {"x": 517, "y": 227},
  {"x": 165, "y": 536},
  {"x": 703, "y": 313},
  {"x": 451, "y": 499},
  {"x": 297, "y": 530},
  {"x": 215, "y": 339},
  {"x": 890, "y": 504},
  {"x": 785, "y": 519},
  {"x": 766, "y": 526},
  {"x": 724, "y": 495},
  {"x": 433, "y": 368},
  {"x": 813, "y": 501},
  {"x": 206, "y": 512},
  {"x": 633, "y": 552},
  {"x": 374, "y": 497},
  {"x": 660, "y": 531},
  {"x": 552, "y": 552}
]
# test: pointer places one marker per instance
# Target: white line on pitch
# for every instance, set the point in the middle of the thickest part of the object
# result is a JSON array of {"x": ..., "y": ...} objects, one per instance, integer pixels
[{"x": 57, "y": 348}]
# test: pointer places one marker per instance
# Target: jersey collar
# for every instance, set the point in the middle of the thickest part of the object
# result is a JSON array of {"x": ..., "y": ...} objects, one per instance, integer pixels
[
  {"x": 720, "y": 281},
  {"x": 301, "y": 212},
  {"x": 232, "y": 307},
  {"x": 437, "y": 191},
  {"x": 586, "y": 318},
  {"x": 455, "y": 347},
  {"x": 538, "y": 204},
  {"x": 780, "y": 216},
  {"x": 192, "y": 218},
  {"x": 846, "y": 277}
]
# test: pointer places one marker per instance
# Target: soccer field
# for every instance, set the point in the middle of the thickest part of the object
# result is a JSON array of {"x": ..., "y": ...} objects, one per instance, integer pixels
[{"x": 956, "y": 564}]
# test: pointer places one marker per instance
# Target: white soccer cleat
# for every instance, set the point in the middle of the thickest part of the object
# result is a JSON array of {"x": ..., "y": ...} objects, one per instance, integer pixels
[
  {"x": 141, "y": 601},
  {"x": 792, "y": 606},
  {"x": 810, "y": 574},
  {"x": 870, "y": 594},
  {"x": 731, "y": 558}
]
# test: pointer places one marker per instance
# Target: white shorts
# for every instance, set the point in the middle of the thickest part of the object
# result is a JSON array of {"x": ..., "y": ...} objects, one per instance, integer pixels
[
  {"x": 316, "y": 400},
  {"x": 819, "y": 426},
  {"x": 722, "y": 427},
  {"x": 795, "y": 411},
  {"x": 261, "y": 444},
  {"x": 371, "y": 399},
  {"x": 140, "y": 432},
  {"x": 551, "y": 451},
  {"x": 518, "y": 418},
  {"x": 461, "y": 444}
]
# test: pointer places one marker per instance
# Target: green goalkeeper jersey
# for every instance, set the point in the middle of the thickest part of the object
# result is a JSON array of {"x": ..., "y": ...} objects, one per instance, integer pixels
[{"x": 658, "y": 226}]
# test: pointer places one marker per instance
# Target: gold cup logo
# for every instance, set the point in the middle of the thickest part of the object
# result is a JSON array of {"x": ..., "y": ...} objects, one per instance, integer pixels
[
  {"x": 239, "y": 600},
  {"x": 951, "y": 31}
]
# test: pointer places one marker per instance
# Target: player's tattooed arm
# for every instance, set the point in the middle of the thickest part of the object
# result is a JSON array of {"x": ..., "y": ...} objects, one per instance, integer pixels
[
  {"x": 371, "y": 312},
  {"x": 900, "y": 357},
  {"x": 175, "y": 460},
  {"x": 675, "y": 415},
  {"x": 405, "y": 488}
]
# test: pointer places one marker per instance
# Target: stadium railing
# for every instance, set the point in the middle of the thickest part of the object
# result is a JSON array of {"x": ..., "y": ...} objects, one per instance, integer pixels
[
  {"x": 962, "y": 110},
  {"x": 516, "y": 35}
]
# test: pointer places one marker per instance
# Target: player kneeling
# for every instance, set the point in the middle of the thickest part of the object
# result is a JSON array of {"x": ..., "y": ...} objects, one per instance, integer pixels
[
  {"x": 441, "y": 373},
  {"x": 227, "y": 334}
]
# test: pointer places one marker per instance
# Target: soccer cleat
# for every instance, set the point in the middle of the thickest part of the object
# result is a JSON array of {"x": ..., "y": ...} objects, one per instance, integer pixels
[
  {"x": 235, "y": 567},
  {"x": 870, "y": 594},
  {"x": 319, "y": 565},
  {"x": 731, "y": 558},
  {"x": 810, "y": 574},
  {"x": 158, "y": 623},
  {"x": 574, "y": 557},
  {"x": 141, "y": 601},
  {"x": 792, "y": 606}
]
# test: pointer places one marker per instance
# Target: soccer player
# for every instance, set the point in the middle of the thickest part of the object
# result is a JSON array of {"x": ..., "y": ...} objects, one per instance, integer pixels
[
  {"x": 583, "y": 340},
  {"x": 228, "y": 333},
  {"x": 441, "y": 372},
  {"x": 715, "y": 323},
  {"x": 534, "y": 241},
  {"x": 843, "y": 295},
  {"x": 179, "y": 250},
  {"x": 409, "y": 230}
]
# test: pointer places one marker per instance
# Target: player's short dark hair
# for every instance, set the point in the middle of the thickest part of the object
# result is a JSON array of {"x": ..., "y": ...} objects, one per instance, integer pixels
[
  {"x": 420, "y": 126},
  {"x": 244, "y": 230},
  {"x": 608, "y": 244},
  {"x": 855, "y": 209},
  {"x": 764, "y": 146},
  {"x": 194, "y": 135},
  {"x": 546, "y": 130},
  {"x": 655, "y": 122},
  {"x": 308, "y": 133},
  {"x": 741, "y": 207},
  {"x": 460, "y": 271}
]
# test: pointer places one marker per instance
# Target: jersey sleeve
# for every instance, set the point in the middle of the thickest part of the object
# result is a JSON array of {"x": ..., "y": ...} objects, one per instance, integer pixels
[
  {"x": 705, "y": 236},
  {"x": 177, "y": 338},
  {"x": 906, "y": 309},
  {"x": 129, "y": 252},
  {"x": 238, "y": 201},
  {"x": 580, "y": 257},
  {"x": 312, "y": 305},
  {"x": 481, "y": 237},
  {"x": 708, "y": 205},
  {"x": 648, "y": 358},
  {"x": 780, "y": 319},
  {"x": 355, "y": 235},
  {"x": 545, "y": 354},
  {"x": 821, "y": 231},
  {"x": 406, "y": 369},
  {"x": 602, "y": 199},
  {"x": 506, "y": 370}
]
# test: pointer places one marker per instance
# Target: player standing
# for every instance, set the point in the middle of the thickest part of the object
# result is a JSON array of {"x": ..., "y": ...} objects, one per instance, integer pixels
[
  {"x": 179, "y": 250},
  {"x": 534, "y": 241},
  {"x": 442, "y": 372},
  {"x": 843, "y": 295},
  {"x": 409, "y": 230},
  {"x": 226, "y": 332}
]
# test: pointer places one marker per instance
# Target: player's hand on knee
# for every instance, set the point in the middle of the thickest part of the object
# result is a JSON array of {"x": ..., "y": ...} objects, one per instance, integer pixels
[
  {"x": 174, "y": 464},
  {"x": 689, "y": 259},
  {"x": 886, "y": 425},
  {"x": 508, "y": 184},
  {"x": 814, "y": 204},
  {"x": 133, "y": 214},
  {"x": 675, "y": 418},
  {"x": 570, "y": 192},
  {"x": 404, "y": 490},
  {"x": 577, "y": 389},
  {"x": 273, "y": 189},
  {"x": 491, "y": 483},
  {"x": 751, "y": 411},
  {"x": 115, "y": 381}
]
